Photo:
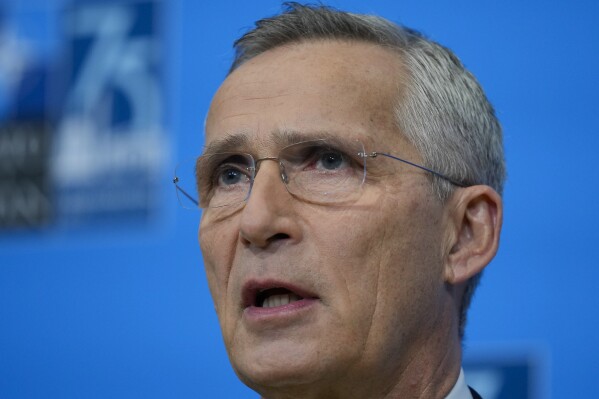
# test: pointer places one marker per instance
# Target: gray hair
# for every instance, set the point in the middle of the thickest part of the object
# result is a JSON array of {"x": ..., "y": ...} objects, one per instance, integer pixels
[{"x": 443, "y": 110}]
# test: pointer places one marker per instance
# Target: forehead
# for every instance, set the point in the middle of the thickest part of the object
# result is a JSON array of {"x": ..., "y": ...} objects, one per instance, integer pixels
[{"x": 322, "y": 88}]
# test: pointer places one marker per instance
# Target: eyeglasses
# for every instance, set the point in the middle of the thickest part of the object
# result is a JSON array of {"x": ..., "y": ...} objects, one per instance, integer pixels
[{"x": 323, "y": 171}]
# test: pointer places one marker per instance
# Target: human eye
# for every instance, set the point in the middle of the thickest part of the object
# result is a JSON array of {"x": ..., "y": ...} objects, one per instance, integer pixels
[
  {"x": 320, "y": 157},
  {"x": 223, "y": 171},
  {"x": 330, "y": 159},
  {"x": 229, "y": 175},
  {"x": 230, "y": 170},
  {"x": 326, "y": 158}
]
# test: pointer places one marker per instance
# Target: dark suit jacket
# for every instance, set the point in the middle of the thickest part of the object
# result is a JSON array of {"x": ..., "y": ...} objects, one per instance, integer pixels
[{"x": 475, "y": 394}]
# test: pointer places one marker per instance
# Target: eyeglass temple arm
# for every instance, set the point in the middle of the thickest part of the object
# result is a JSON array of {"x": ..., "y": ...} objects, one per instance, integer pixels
[
  {"x": 375, "y": 154},
  {"x": 191, "y": 198}
]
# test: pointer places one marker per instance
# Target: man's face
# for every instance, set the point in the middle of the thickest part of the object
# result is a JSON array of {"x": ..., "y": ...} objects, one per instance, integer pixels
[{"x": 366, "y": 277}]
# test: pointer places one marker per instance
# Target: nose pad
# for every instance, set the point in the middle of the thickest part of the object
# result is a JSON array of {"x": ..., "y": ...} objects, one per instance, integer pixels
[{"x": 284, "y": 176}]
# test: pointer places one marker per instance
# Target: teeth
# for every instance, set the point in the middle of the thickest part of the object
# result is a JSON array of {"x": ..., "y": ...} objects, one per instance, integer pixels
[{"x": 280, "y": 300}]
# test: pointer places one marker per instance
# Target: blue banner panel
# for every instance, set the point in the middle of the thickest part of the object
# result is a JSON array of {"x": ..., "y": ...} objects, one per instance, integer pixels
[
  {"x": 110, "y": 145},
  {"x": 82, "y": 139},
  {"x": 496, "y": 375}
]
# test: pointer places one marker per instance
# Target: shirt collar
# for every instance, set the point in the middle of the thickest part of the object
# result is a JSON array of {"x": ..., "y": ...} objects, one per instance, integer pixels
[{"x": 460, "y": 389}]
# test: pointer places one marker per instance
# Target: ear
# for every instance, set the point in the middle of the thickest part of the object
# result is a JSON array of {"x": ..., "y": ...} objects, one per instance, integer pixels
[{"x": 475, "y": 216}]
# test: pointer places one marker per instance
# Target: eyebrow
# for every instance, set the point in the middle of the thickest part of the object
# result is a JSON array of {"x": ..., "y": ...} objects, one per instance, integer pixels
[
  {"x": 280, "y": 138},
  {"x": 226, "y": 144}
]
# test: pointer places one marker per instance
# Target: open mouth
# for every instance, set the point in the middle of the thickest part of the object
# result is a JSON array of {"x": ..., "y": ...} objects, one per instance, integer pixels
[
  {"x": 271, "y": 294},
  {"x": 273, "y": 297}
]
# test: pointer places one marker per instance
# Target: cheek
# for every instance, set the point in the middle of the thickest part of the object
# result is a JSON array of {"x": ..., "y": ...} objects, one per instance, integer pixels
[
  {"x": 217, "y": 243},
  {"x": 342, "y": 241},
  {"x": 385, "y": 257},
  {"x": 349, "y": 251},
  {"x": 411, "y": 273}
]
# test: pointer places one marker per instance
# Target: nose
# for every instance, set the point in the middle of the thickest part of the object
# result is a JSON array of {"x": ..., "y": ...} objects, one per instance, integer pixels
[{"x": 268, "y": 218}]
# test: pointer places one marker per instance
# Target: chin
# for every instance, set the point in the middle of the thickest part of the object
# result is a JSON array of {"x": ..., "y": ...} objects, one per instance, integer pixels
[
  {"x": 281, "y": 372},
  {"x": 282, "y": 382},
  {"x": 285, "y": 373}
]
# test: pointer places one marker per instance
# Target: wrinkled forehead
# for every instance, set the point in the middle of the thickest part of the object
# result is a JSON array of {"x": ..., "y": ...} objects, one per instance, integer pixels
[{"x": 308, "y": 91}]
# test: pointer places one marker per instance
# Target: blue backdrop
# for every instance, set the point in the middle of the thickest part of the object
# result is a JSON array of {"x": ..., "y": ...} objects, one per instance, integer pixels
[{"x": 116, "y": 304}]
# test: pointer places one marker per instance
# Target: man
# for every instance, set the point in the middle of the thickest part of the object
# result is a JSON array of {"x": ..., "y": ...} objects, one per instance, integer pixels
[{"x": 350, "y": 189}]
